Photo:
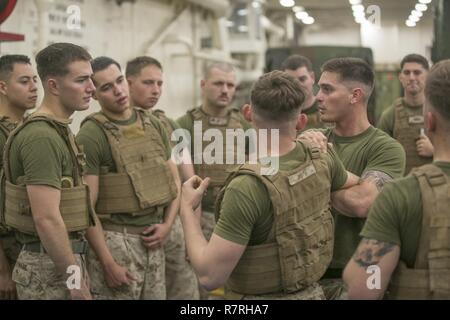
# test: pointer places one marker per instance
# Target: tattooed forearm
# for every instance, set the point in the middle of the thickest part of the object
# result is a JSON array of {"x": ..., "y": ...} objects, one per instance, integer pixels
[
  {"x": 379, "y": 178},
  {"x": 371, "y": 251}
]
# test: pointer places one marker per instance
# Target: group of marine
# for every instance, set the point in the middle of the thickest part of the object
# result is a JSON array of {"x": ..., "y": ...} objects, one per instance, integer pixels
[{"x": 354, "y": 211}]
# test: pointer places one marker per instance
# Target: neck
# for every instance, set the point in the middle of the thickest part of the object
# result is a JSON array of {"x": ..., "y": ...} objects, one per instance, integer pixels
[
  {"x": 415, "y": 99},
  {"x": 354, "y": 124},
  {"x": 309, "y": 102},
  {"x": 214, "y": 110},
  {"x": 125, "y": 115},
  {"x": 442, "y": 148},
  {"x": 281, "y": 146},
  {"x": 13, "y": 113},
  {"x": 54, "y": 108}
]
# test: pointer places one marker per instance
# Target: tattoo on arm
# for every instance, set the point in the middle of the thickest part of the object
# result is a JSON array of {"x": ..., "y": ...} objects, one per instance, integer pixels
[
  {"x": 380, "y": 178},
  {"x": 371, "y": 251}
]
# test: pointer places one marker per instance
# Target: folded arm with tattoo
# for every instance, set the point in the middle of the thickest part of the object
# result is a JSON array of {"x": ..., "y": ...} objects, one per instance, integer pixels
[{"x": 356, "y": 201}]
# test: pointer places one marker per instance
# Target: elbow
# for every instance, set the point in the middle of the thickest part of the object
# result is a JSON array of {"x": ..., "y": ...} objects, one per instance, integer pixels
[
  {"x": 362, "y": 206},
  {"x": 210, "y": 283},
  {"x": 357, "y": 287},
  {"x": 44, "y": 223}
]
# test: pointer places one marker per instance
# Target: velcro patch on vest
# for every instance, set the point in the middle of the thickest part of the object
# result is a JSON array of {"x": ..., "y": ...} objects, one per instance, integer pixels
[
  {"x": 217, "y": 121},
  {"x": 302, "y": 175},
  {"x": 133, "y": 132},
  {"x": 415, "y": 120}
]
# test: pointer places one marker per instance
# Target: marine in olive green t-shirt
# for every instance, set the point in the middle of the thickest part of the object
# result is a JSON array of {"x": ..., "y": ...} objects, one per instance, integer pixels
[
  {"x": 187, "y": 122},
  {"x": 387, "y": 119},
  {"x": 99, "y": 158},
  {"x": 371, "y": 150},
  {"x": 246, "y": 213},
  {"x": 39, "y": 156},
  {"x": 396, "y": 215}
]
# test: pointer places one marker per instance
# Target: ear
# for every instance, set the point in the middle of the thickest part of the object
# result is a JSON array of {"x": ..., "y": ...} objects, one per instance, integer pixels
[
  {"x": 53, "y": 87},
  {"x": 3, "y": 88},
  {"x": 302, "y": 120},
  {"x": 202, "y": 83},
  {"x": 430, "y": 122},
  {"x": 357, "y": 95},
  {"x": 313, "y": 76},
  {"x": 247, "y": 112}
]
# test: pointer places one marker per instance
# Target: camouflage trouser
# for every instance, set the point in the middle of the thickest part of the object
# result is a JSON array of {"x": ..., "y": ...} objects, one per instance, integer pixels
[
  {"x": 313, "y": 292},
  {"x": 208, "y": 223},
  {"x": 147, "y": 266},
  {"x": 334, "y": 289},
  {"x": 181, "y": 281},
  {"x": 36, "y": 277}
]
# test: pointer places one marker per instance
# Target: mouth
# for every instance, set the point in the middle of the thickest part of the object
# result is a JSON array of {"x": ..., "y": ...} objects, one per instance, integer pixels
[
  {"x": 87, "y": 99},
  {"x": 122, "y": 100},
  {"x": 33, "y": 98}
]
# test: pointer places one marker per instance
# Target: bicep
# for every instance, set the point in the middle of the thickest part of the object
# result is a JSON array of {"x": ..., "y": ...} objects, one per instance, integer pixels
[
  {"x": 93, "y": 183},
  {"x": 378, "y": 177},
  {"x": 44, "y": 200},
  {"x": 372, "y": 264}
]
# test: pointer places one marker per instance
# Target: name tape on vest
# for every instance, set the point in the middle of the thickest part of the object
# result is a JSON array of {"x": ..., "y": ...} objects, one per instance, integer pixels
[{"x": 302, "y": 175}]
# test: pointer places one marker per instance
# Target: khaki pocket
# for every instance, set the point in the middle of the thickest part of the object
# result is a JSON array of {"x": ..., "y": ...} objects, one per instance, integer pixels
[{"x": 21, "y": 276}]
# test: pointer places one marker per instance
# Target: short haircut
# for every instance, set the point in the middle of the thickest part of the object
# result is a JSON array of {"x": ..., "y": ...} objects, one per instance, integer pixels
[
  {"x": 135, "y": 66},
  {"x": 277, "y": 96},
  {"x": 54, "y": 60},
  {"x": 101, "y": 63},
  {"x": 437, "y": 88},
  {"x": 296, "y": 61},
  {"x": 415, "y": 58},
  {"x": 223, "y": 66},
  {"x": 352, "y": 70},
  {"x": 7, "y": 63}
]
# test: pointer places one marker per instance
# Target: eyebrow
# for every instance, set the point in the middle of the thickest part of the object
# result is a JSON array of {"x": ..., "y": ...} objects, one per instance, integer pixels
[{"x": 110, "y": 83}]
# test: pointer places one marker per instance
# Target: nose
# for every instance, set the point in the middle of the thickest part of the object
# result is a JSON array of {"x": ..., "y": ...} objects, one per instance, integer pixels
[
  {"x": 156, "y": 90},
  {"x": 225, "y": 88},
  {"x": 33, "y": 87},
  {"x": 91, "y": 87},
  {"x": 319, "y": 96}
]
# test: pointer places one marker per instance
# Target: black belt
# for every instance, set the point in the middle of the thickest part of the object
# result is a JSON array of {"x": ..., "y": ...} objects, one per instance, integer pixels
[{"x": 78, "y": 247}]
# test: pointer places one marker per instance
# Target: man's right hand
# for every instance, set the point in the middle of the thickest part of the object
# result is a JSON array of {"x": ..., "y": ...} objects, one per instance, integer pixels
[
  {"x": 83, "y": 293},
  {"x": 316, "y": 138},
  {"x": 117, "y": 276},
  {"x": 7, "y": 286}
]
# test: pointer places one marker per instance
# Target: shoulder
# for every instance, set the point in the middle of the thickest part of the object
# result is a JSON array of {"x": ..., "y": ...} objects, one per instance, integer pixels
[
  {"x": 382, "y": 140},
  {"x": 90, "y": 128},
  {"x": 186, "y": 120},
  {"x": 36, "y": 130}
]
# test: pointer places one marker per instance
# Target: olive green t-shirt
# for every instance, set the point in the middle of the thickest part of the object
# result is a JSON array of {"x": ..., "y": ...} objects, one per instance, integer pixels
[
  {"x": 396, "y": 215},
  {"x": 98, "y": 155},
  {"x": 387, "y": 119},
  {"x": 371, "y": 150},
  {"x": 39, "y": 156},
  {"x": 187, "y": 122},
  {"x": 246, "y": 213}
]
